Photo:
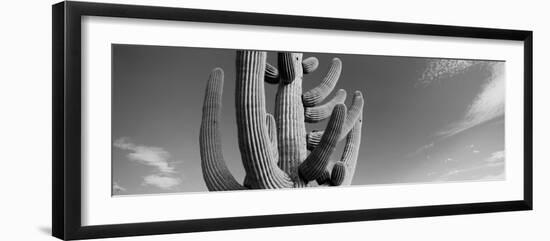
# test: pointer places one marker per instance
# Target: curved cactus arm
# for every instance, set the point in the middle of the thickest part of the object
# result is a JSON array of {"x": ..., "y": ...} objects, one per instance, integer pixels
[
  {"x": 214, "y": 170},
  {"x": 310, "y": 64},
  {"x": 261, "y": 169},
  {"x": 338, "y": 174},
  {"x": 351, "y": 152},
  {"x": 271, "y": 74},
  {"x": 319, "y": 113},
  {"x": 313, "y": 138},
  {"x": 324, "y": 179},
  {"x": 354, "y": 112},
  {"x": 272, "y": 130},
  {"x": 317, "y": 161},
  {"x": 316, "y": 95}
]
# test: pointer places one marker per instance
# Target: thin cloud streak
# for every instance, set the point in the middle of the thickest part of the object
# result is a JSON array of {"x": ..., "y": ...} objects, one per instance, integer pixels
[
  {"x": 422, "y": 150},
  {"x": 439, "y": 69},
  {"x": 156, "y": 157},
  {"x": 163, "y": 182},
  {"x": 495, "y": 157},
  {"x": 117, "y": 188},
  {"x": 151, "y": 156},
  {"x": 487, "y": 106},
  {"x": 494, "y": 161}
]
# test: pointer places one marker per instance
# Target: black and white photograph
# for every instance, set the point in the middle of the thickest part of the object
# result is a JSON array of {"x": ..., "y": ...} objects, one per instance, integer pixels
[
  {"x": 284, "y": 120},
  {"x": 189, "y": 119}
]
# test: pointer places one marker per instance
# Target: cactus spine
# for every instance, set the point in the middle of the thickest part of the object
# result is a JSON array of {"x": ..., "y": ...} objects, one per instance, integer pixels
[{"x": 274, "y": 148}]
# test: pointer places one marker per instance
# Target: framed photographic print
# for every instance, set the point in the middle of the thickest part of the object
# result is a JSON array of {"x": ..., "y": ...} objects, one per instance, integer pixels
[{"x": 169, "y": 120}]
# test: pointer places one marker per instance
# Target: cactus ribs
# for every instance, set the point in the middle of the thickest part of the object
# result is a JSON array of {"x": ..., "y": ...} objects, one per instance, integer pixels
[{"x": 276, "y": 150}]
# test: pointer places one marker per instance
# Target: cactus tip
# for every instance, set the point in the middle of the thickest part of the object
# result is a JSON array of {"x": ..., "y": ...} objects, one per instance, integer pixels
[
  {"x": 339, "y": 109},
  {"x": 338, "y": 174}
]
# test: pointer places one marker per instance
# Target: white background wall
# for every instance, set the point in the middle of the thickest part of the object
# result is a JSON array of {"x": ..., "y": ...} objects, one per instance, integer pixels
[{"x": 25, "y": 122}]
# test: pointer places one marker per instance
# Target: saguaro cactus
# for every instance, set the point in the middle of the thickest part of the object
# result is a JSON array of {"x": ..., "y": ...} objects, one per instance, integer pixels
[{"x": 274, "y": 148}]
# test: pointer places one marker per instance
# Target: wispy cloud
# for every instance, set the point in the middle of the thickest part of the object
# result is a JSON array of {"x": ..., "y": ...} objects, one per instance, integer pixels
[
  {"x": 117, "y": 188},
  {"x": 148, "y": 155},
  {"x": 449, "y": 160},
  {"x": 164, "y": 176},
  {"x": 439, "y": 69},
  {"x": 488, "y": 105},
  {"x": 163, "y": 182},
  {"x": 494, "y": 162},
  {"x": 473, "y": 148},
  {"x": 424, "y": 150},
  {"x": 496, "y": 159}
]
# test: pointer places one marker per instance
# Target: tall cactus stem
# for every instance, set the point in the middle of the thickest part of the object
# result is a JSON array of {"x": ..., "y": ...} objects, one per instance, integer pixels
[
  {"x": 254, "y": 143},
  {"x": 289, "y": 116},
  {"x": 290, "y": 65}
]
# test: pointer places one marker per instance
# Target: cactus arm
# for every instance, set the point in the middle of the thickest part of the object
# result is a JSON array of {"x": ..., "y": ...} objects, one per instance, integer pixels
[
  {"x": 310, "y": 64},
  {"x": 354, "y": 112},
  {"x": 215, "y": 172},
  {"x": 271, "y": 74},
  {"x": 316, "y": 95},
  {"x": 261, "y": 169},
  {"x": 319, "y": 113},
  {"x": 272, "y": 130},
  {"x": 313, "y": 138},
  {"x": 324, "y": 179},
  {"x": 351, "y": 151},
  {"x": 317, "y": 161},
  {"x": 338, "y": 174}
]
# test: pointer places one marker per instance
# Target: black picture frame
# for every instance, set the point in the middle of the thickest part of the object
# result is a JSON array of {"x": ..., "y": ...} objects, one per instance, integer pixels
[{"x": 66, "y": 159}]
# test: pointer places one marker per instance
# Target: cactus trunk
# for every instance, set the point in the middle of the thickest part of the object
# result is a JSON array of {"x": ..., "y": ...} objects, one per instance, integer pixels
[
  {"x": 253, "y": 136},
  {"x": 289, "y": 116}
]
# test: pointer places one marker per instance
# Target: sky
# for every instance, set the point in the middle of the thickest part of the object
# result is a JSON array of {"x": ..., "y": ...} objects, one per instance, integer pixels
[{"x": 425, "y": 120}]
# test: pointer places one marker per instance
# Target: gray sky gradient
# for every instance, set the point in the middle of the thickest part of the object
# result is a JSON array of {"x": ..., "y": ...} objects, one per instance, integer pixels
[{"x": 425, "y": 120}]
